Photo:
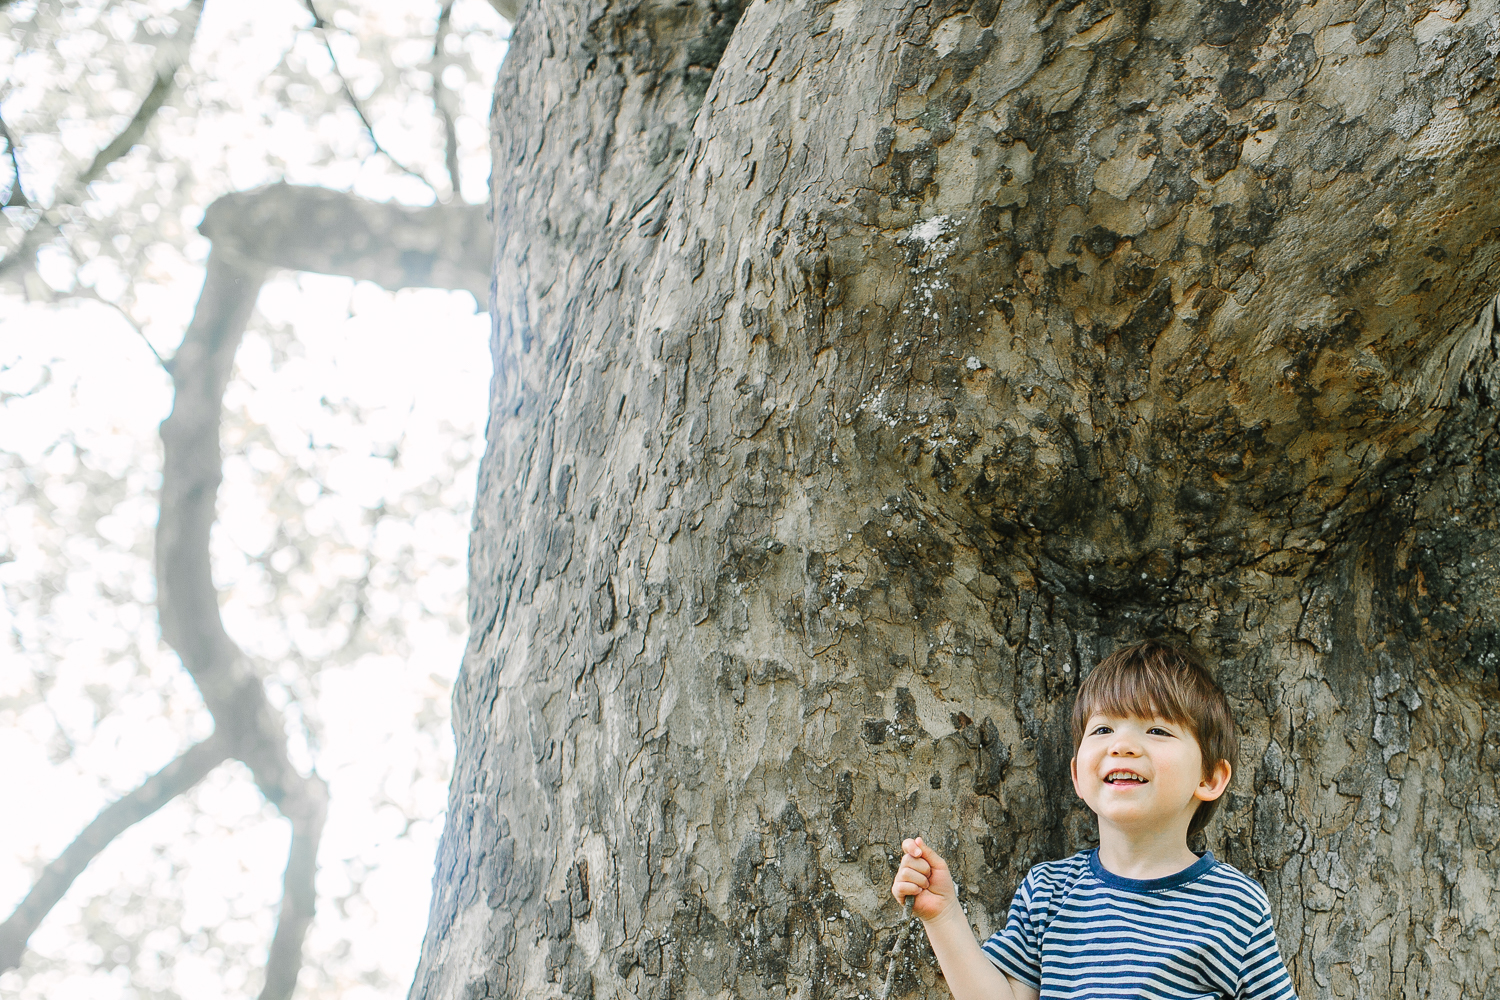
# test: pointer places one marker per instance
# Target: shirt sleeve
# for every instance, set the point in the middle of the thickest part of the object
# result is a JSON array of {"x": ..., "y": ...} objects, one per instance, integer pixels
[
  {"x": 1263, "y": 975},
  {"x": 1016, "y": 949}
]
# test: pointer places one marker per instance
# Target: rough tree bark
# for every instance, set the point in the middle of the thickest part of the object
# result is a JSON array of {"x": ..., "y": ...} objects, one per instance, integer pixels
[{"x": 866, "y": 371}]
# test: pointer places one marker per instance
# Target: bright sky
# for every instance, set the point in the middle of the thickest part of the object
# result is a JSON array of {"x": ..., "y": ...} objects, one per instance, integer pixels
[{"x": 346, "y": 400}]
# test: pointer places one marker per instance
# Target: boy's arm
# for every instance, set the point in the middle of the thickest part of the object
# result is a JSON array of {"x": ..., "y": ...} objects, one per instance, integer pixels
[{"x": 969, "y": 974}]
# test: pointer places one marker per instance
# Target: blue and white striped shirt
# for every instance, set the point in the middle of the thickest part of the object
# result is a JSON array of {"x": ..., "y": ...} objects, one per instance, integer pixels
[{"x": 1079, "y": 932}]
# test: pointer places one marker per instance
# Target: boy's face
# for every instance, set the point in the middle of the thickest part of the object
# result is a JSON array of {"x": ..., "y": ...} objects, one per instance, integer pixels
[{"x": 1143, "y": 775}]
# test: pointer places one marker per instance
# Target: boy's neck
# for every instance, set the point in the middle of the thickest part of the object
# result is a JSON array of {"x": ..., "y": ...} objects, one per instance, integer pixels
[{"x": 1144, "y": 854}]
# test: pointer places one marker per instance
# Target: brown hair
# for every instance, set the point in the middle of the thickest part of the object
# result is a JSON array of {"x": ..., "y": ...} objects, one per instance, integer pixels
[{"x": 1154, "y": 679}]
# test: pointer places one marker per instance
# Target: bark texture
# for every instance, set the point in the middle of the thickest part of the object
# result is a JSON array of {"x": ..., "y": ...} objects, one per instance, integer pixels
[{"x": 865, "y": 372}]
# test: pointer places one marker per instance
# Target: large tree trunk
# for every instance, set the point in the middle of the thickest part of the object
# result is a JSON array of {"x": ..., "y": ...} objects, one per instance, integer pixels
[{"x": 841, "y": 423}]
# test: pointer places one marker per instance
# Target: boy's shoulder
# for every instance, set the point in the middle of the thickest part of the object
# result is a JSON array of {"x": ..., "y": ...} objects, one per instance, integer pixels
[
  {"x": 1059, "y": 873},
  {"x": 1225, "y": 877},
  {"x": 1228, "y": 872}
]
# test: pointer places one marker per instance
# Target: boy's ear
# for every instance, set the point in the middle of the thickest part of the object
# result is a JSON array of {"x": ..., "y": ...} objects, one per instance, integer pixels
[
  {"x": 1073, "y": 769},
  {"x": 1214, "y": 783}
]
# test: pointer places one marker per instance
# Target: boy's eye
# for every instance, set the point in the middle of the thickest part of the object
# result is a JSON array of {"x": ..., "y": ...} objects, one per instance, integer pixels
[
  {"x": 1098, "y": 730},
  {"x": 1158, "y": 731}
]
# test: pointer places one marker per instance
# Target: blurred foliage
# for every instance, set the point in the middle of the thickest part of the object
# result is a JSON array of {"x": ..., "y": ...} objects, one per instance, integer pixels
[{"x": 255, "y": 98}]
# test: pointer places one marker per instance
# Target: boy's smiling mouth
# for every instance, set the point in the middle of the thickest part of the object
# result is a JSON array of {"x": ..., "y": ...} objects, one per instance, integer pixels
[{"x": 1123, "y": 778}]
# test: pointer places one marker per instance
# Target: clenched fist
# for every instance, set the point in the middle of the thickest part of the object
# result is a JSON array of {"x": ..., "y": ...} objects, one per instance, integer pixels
[{"x": 924, "y": 876}]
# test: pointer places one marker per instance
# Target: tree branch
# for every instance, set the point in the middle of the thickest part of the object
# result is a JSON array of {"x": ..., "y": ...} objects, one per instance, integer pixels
[
  {"x": 92, "y": 295},
  {"x": 188, "y": 602},
  {"x": 192, "y": 468},
  {"x": 322, "y": 27},
  {"x": 252, "y": 232},
  {"x": 436, "y": 67},
  {"x": 298, "y": 891},
  {"x": 306, "y": 229},
  {"x": 17, "y": 197},
  {"x": 123, "y": 143},
  {"x": 161, "y": 89},
  {"x": 314, "y": 229},
  {"x": 156, "y": 791}
]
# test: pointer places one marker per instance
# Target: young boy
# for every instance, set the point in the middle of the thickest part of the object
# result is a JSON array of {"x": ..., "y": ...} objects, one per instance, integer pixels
[{"x": 1141, "y": 916}]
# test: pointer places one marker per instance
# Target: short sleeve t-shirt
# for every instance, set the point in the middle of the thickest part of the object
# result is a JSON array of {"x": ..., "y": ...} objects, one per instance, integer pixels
[{"x": 1079, "y": 932}]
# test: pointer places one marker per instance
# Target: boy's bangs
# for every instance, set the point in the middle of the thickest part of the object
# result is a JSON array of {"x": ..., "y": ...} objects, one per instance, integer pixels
[{"x": 1144, "y": 693}]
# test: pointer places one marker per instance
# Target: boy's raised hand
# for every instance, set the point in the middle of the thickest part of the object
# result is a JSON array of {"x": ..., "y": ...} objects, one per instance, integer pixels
[{"x": 925, "y": 876}]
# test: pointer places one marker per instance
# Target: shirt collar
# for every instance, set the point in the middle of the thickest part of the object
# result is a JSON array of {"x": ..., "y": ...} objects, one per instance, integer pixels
[{"x": 1195, "y": 870}]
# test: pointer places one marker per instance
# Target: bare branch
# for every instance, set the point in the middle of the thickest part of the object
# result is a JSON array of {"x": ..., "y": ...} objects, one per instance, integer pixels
[
  {"x": 161, "y": 89},
  {"x": 93, "y": 295},
  {"x": 123, "y": 143},
  {"x": 314, "y": 229},
  {"x": 279, "y": 226},
  {"x": 359, "y": 110},
  {"x": 298, "y": 891},
  {"x": 188, "y": 602},
  {"x": 439, "y": 98},
  {"x": 17, "y": 197},
  {"x": 156, "y": 791},
  {"x": 439, "y": 101}
]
